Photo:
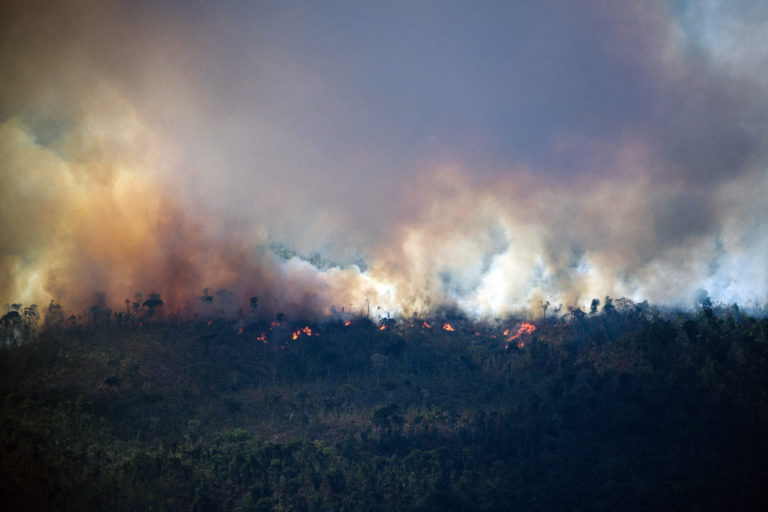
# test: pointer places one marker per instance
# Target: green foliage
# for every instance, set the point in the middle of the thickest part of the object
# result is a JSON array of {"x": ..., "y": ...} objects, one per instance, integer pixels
[{"x": 624, "y": 409}]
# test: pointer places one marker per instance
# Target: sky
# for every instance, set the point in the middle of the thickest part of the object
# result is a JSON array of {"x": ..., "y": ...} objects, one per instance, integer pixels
[{"x": 483, "y": 156}]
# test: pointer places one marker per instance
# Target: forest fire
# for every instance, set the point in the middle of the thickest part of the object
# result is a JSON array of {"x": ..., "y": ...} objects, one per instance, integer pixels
[
  {"x": 525, "y": 328},
  {"x": 213, "y": 212},
  {"x": 304, "y": 330}
]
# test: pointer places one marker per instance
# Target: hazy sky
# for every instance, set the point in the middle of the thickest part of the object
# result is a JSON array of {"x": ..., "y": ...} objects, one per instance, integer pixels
[{"x": 488, "y": 155}]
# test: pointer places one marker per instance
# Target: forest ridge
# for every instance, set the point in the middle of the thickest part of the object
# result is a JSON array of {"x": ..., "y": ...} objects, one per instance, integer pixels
[{"x": 622, "y": 407}]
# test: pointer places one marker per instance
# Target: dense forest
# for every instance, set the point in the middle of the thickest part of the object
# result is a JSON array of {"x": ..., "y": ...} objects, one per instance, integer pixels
[{"x": 623, "y": 407}]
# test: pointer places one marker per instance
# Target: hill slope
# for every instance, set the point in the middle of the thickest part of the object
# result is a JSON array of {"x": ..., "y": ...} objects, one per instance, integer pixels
[{"x": 628, "y": 409}]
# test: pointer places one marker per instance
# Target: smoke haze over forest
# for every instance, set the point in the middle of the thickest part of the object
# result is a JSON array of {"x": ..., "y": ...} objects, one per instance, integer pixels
[{"x": 485, "y": 156}]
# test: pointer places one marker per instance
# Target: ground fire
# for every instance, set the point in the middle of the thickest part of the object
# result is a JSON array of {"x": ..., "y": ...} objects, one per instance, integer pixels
[{"x": 525, "y": 328}]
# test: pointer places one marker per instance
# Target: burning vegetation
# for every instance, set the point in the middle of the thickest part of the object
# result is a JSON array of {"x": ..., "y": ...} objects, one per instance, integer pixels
[
  {"x": 21, "y": 324},
  {"x": 525, "y": 328},
  {"x": 251, "y": 411}
]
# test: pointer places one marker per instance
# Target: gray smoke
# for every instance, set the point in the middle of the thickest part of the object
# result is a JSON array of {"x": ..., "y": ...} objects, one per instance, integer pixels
[{"x": 481, "y": 157}]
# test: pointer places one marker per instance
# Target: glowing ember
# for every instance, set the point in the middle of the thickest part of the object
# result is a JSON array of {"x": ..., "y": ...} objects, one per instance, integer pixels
[
  {"x": 383, "y": 327},
  {"x": 304, "y": 330},
  {"x": 425, "y": 324},
  {"x": 448, "y": 327},
  {"x": 525, "y": 328},
  {"x": 347, "y": 323},
  {"x": 263, "y": 337},
  {"x": 240, "y": 331}
]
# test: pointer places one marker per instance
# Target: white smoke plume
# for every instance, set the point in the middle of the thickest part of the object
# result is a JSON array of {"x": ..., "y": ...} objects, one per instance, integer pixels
[{"x": 487, "y": 161}]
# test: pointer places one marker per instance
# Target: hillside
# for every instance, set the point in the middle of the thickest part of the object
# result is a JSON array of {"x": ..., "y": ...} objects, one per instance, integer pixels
[{"x": 627, "y": 409}]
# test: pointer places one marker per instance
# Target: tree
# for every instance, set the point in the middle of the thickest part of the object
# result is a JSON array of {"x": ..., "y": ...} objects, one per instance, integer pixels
[
  {"x": 380, "y": 365},
  {"x": 381, "y": 417},
  {"x": 705, "y": 305},
  {"x": 154, "y": 301},
  {"x": 608, "y": 307},
  {"x": 100, "y": 312},
  {"x": 54, "y": 316}
]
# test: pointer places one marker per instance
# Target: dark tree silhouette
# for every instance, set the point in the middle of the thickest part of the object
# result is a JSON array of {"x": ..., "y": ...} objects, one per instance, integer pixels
[{"x": 154, "y": 301}]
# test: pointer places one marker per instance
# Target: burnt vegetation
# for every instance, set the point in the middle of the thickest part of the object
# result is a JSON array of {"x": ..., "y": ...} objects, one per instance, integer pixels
[{"x": 623, "y": 407}]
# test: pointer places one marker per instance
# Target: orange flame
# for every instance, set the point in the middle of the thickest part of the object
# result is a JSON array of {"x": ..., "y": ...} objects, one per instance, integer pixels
[
  {"x": 304, "y": 330},
  {"x": 525, "y": 328},
  {"x": 425, "y": 324},
  {"x": 383, "y": 327},
  {"x": 347, "y": 323},
  {"x": 448, "y": 327}
]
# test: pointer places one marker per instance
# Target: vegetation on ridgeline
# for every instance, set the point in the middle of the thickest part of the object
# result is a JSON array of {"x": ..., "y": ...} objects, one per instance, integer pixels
[{"x": 620, "y": 408}]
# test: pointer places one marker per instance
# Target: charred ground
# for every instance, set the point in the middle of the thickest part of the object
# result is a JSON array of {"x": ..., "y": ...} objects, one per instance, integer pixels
[{"x": 627, "y": 408}]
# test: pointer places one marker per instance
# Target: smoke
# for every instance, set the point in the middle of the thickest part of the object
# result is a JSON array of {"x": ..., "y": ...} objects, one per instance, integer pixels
[{"x": 427, "y": 158}]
